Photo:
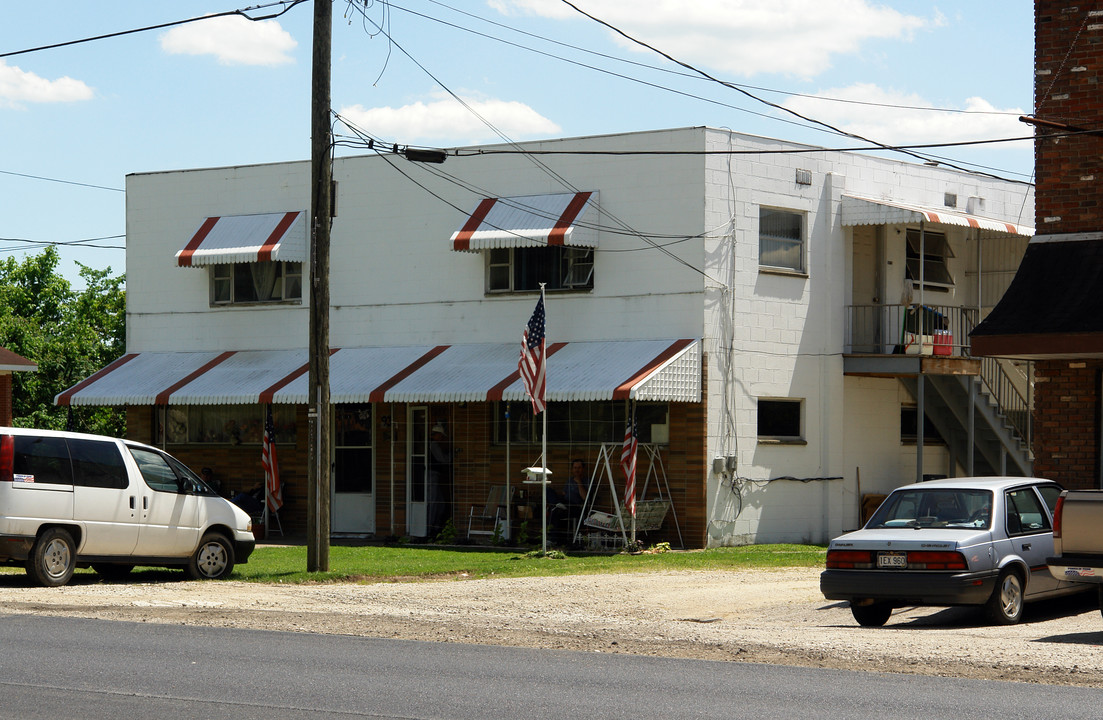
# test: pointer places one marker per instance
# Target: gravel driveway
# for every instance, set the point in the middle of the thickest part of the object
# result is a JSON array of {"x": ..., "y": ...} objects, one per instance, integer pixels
[{"x": 772, "y": 616}]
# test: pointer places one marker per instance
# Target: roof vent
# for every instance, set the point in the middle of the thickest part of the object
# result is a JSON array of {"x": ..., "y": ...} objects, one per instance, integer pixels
[{"x": 950, "y": 200}]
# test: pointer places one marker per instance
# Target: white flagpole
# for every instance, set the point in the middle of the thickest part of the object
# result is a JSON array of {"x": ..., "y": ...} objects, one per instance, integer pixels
[{"x": 544, "y": 434}]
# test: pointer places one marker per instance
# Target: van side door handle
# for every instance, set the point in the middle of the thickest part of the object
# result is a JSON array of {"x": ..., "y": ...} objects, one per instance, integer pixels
[
  {"x": 131, "y": 502},
  {"x": 145, "y": 502},
  {"x": 1026, "y": 546}
]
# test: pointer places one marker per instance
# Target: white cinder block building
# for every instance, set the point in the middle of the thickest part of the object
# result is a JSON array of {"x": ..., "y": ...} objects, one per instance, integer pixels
[{"x": 777, "y": 316}]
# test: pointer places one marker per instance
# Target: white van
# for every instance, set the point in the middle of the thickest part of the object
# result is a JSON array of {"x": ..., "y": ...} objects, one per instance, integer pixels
[{"x": 70, "y": 499}]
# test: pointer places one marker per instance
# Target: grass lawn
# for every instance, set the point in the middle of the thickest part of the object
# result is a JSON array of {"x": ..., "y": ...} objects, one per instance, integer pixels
[{"x": 397, "y": 563}]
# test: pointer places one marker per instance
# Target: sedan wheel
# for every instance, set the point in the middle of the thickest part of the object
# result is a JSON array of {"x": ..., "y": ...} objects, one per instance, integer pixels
[
  {"x": 872, "y": 615},
  {"x": 1005, "y": 607}
]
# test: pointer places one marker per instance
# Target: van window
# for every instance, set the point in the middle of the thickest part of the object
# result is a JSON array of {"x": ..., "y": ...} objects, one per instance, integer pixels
[
  {"x": 98, "y": 464},
  {"x": 156, "y": 472},
  {"x": 42, "y": 460}
]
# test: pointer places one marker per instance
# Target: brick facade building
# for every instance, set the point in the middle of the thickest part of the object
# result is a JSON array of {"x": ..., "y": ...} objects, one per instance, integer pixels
[
  {"x": 1053, "y": 311},
  {"x": 10, "y": 363}
]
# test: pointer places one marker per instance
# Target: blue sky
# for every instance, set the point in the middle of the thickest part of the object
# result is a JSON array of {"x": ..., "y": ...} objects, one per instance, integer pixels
[{"x": 76, "y": 120}]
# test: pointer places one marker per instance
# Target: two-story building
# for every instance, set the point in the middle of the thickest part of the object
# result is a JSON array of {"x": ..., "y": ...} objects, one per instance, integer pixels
[{"x": 776, "y": 316}]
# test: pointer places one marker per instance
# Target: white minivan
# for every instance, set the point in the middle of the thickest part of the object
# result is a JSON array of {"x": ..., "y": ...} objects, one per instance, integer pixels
[{"x": 71, "y": 499}]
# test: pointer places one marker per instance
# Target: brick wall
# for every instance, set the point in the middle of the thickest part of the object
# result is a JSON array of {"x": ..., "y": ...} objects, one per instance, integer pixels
[
  {"x": 1066, "y": 422},
  {"x": 1068, "y": 66},
  {"x": 5, "y": 398}
]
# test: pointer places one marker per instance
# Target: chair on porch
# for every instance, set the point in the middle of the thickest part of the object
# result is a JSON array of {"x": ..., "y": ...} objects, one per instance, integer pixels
[{"x": 488, "y": 516}]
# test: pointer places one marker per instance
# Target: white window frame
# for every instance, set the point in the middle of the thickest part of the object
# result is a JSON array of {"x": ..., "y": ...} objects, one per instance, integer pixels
[
  {"x": 289, "y": 278},
  {"x": 780, "y": 437},
  {"x": 781, "y": 242},
  {"x": 575, "y": 274}
]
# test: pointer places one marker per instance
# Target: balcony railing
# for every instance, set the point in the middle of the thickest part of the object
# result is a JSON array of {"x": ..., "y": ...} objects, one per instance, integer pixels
[
  {"x": 938, "y": 330},
  {"x": 909, "y": 329}
]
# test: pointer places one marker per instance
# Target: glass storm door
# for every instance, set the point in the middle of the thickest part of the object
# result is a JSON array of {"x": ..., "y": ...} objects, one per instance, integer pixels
[
  {"x": 417, "y": 478},
  {"x": 353, "y": 504}
]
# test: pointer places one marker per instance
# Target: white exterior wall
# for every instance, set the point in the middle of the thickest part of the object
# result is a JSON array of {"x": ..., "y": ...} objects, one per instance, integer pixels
[
  {"x": 396, "y": 281},
  {"x": 786, "y": 335}
]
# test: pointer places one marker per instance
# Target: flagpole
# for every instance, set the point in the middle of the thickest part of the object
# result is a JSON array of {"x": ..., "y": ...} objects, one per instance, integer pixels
[{"x": 544, "y": 445}]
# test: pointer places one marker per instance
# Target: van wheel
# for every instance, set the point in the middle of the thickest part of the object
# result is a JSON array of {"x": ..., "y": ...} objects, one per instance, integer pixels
[
  {"x": 213, "y": 559},
  {"x": 1005, "y": 607},
  {"x": 112, "y": 571},
  {"x": 53, "y": 558}
]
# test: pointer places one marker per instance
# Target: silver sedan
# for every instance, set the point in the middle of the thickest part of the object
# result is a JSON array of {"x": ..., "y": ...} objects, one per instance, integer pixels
[{"x": 963, "y": 541}]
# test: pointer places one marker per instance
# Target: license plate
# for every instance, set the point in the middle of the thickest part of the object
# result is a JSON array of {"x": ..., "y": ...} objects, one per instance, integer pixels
[{"x": 892, "y": 560}]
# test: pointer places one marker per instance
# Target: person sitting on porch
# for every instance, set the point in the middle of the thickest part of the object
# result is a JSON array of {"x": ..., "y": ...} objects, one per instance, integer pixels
[{"x": 574, "y": 494}]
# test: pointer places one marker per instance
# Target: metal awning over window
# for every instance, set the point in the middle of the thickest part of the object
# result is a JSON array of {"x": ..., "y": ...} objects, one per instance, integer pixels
[
  {"x": 530, "y": 221},
  {"x": 247, "y": 238},
  {"x": 869, "y": 211},
  {"x": 661, "y": 370}
]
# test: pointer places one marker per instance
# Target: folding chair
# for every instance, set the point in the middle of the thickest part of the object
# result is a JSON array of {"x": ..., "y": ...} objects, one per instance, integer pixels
[{"x": 494, "y": 512}]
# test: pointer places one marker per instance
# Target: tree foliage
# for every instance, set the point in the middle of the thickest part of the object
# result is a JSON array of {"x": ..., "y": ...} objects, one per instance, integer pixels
[{"x": 69, "y": 333}]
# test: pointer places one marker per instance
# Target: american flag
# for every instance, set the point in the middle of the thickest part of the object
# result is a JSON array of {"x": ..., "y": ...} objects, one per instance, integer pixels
[
  {"x": 628, "y": 464},
  {"x": 273, "y": 490},
  {"x": 534, "y": 358}
]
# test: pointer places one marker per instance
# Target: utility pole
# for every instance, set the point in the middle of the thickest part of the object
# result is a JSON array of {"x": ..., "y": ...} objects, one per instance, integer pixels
[{"x": 321, "y": 176}]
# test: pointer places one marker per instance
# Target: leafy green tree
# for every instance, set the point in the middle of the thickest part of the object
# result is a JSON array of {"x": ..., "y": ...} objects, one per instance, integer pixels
[{"x": 69, "y": 333}]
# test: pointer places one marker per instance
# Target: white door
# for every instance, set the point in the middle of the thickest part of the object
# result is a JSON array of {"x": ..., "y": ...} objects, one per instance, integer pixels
[
  {"x": 353, "y": 499},
  {"x": 168, "y": 506},
  {"x": 417, "y": 473}
]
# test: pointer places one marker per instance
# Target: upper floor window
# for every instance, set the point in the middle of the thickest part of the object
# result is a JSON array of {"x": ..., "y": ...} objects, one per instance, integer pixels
[
  {"x": 935, "y": 251},
  {"x": 781, "y": 239},
  {"x": 523, "y": 269},
  {"x": 256, "y": 282}
]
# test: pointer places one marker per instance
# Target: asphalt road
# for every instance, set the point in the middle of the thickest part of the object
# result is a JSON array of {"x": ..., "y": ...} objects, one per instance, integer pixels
[{"x": 77, "y": 668}]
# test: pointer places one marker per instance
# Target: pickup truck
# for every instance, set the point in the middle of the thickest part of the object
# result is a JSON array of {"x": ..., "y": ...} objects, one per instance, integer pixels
[{"x": 1078, "y": 538}]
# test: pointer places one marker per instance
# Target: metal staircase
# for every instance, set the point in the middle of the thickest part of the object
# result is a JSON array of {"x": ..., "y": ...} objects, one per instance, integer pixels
[{"x": 999, "y": 423}]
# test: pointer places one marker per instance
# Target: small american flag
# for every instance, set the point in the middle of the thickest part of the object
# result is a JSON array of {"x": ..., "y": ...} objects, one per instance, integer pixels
[
  {"x": 628, "y": 464},
  {"x": 271, "y": 468},
  {"x": 534, "y": 358}
]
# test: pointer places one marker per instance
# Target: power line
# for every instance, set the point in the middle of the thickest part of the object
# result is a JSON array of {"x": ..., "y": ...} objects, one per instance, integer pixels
[
  {"x": 85, "y": 243},
  {"x": 669, "y": 71},
  {"x": 241, "y": 12},
  {"x": 63, "y": 182}
]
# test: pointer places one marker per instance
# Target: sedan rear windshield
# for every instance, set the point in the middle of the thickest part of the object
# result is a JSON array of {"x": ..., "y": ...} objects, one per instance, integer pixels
[{"x": 941, "y": 508}]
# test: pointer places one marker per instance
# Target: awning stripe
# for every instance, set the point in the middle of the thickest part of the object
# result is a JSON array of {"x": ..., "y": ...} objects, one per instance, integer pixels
[
  {"x": 265, "y": 252},
  {"x": 63, "y": 398},
  {"x": 495, "y": 393},
  {"x": 378, "y": 393},
  {"x": 186, "y": 254},
  {"x": 269, "y": 393},
  {"x": 624, "y": 391},
  {"x": 566, "y": 220},
  {"x": 163, "y": 396},
  {"x": 463, "y": 239}
]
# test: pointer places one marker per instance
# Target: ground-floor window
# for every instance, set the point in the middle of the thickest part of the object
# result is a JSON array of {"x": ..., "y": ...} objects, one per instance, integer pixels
[
  {"x": 227, "y": 424},
  {"x": 580, "y": 422}
]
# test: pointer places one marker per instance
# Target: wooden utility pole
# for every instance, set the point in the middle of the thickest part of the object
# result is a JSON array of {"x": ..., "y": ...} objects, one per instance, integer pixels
[{"x": 321, "y": 176}]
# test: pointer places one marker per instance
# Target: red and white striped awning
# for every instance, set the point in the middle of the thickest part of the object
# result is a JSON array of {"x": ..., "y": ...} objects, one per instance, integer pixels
[
  {"x": 247, "y": 238},
  {"x": 529, "y": 221},
  {"x": 661, "y": 370},
  {"x": 858, "y": 210}
]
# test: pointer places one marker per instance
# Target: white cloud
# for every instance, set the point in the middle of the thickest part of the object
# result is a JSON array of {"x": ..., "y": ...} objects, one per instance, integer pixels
[
  {"x": 742, "y": 37},
  {"x": 19, "y": 86},
  {"x": 909, "y": 124},
  {"x": 233, "y": 40},
  {"x": 444, "y": 121}
]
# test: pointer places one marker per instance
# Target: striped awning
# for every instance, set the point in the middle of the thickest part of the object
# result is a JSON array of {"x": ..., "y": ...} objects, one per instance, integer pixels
[
  {"x": 529, "y": 221},
  {"x": 870, "y": 211},
  {"x": 247, "y": 238},
  {"x": 662, "y": 370}
]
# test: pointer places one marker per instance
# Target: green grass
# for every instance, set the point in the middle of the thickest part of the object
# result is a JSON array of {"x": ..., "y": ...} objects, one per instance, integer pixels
[{"x": 390, "y": 563}]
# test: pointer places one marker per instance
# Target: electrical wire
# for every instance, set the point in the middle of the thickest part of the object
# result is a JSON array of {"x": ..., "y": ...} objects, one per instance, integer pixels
[
  {"x": 87, "y": 242},
  {"x": 63, "y": 182},
  {"x": 241, "y": 12}
]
